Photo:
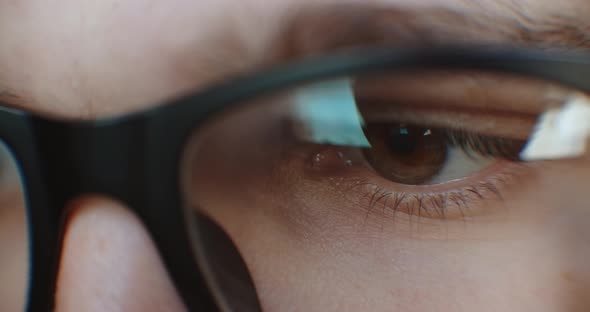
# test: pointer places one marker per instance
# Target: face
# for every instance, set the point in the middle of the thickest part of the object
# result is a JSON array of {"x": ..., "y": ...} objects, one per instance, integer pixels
[{"x": 315, "y": 244}]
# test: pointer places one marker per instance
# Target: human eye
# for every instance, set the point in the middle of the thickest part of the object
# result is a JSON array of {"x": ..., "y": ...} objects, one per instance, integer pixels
[
  {"x": 425, "y": 154},
  {"x": 434, "y": 147}
]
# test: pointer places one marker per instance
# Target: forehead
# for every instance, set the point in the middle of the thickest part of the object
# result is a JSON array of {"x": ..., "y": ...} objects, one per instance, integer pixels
[{"x": 92, "y": 58}]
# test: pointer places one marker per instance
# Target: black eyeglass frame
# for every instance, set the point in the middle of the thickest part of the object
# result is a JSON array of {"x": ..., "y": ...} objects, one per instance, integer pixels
[{"x": 135, "y": 158}]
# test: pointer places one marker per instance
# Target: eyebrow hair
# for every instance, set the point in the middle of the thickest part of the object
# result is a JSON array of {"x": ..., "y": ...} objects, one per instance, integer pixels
[{"x": 320, "y": 29}]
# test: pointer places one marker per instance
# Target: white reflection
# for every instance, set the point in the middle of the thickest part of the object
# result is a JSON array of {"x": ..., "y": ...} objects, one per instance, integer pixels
[
  {"x": 328, "y": 114},
  {"x": 561, "y": 132}
]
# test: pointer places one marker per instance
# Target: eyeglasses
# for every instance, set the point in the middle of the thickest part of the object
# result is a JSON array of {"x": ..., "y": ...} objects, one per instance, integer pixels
[{"x": 365, "y": 120}]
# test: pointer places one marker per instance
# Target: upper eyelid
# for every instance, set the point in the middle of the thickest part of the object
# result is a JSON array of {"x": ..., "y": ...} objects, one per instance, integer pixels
[
  {"x": 482, "y": 91},
  {"x": 474, "y": 101},
  {"x": 514, "y": 127}
]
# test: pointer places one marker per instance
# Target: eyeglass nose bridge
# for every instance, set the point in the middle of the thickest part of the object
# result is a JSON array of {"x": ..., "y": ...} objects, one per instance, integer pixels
[{"x": 86, "y": 157}]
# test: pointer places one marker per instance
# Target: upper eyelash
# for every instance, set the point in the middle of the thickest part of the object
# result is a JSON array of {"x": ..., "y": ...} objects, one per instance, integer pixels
[{"x": 508, "y": 149}]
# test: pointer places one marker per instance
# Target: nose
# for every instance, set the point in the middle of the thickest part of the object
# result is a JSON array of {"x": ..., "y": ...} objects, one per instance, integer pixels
[{"x": 109, "y": 263}]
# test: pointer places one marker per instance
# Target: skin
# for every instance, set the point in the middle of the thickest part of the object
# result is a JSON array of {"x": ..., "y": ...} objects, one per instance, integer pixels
[{"x": 71, "y": 58}]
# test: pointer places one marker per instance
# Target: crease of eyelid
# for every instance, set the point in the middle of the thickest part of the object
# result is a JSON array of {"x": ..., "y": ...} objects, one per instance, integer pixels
[
  {"x": 472, "y": 101},
  {"x": 466, "y": 90},
  {"x": 508, "y": 126}
]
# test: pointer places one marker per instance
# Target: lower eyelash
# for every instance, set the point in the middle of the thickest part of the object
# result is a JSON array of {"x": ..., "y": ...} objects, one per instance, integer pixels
[
  {"x": 459, "y": 204},
  {"x": 476, "y": 197}
]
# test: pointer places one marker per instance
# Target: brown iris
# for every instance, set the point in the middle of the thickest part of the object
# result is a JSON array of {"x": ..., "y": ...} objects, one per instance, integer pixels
[{"x": 404, "y": 153}]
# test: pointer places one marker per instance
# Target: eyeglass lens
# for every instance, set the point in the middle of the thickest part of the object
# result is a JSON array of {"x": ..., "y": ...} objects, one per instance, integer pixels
[{"x": 421, "y": 153}]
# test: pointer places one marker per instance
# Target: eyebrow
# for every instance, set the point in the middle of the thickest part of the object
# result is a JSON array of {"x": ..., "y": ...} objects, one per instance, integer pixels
[{"x": 321, "y": 29}]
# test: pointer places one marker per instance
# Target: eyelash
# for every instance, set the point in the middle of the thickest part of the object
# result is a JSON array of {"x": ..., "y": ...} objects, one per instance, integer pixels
[
  {"x": 433, "y": 205},
  {"x": 484, "y": 145},
  {"x": 453, "y": 203}
]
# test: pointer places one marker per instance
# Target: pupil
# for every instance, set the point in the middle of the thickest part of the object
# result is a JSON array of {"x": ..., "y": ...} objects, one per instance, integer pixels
[{"x": 404, "y": 140}]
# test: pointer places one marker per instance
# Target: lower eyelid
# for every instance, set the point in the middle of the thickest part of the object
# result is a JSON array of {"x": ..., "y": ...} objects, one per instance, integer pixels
[
  {"x": 462, "y": 203},
  {"x": 475, "y": 196}
]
